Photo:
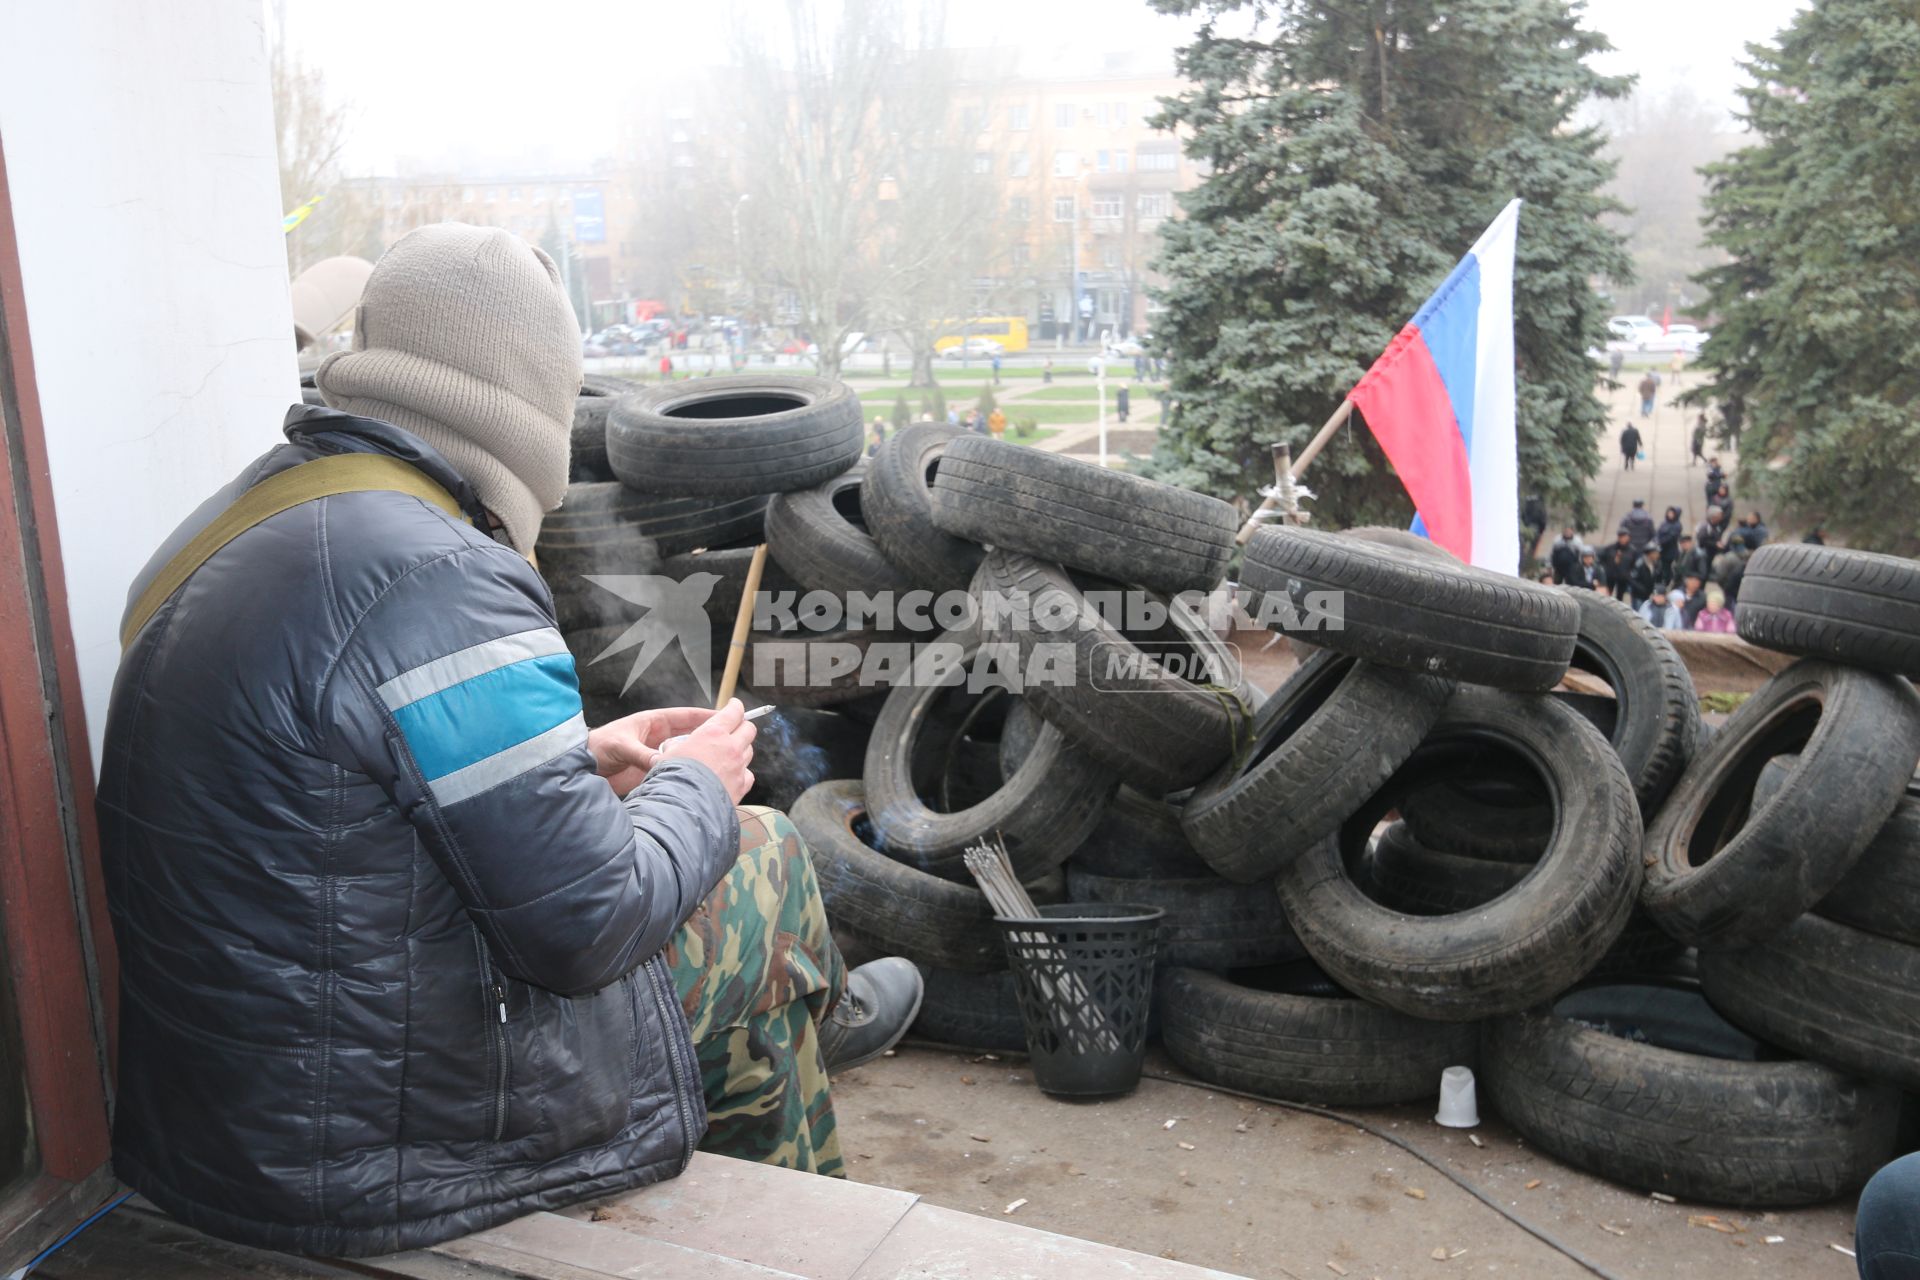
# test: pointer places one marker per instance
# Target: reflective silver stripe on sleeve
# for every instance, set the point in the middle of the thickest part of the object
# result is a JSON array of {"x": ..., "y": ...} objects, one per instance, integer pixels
[
  {"x": 504, "y": 766},
  {"x": 443, "y": 673}
]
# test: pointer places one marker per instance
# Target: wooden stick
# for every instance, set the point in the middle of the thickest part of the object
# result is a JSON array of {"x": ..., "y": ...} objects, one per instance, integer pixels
[
  {"x": 742, "y": 625},
  {"x": 1319, "y": 442}
]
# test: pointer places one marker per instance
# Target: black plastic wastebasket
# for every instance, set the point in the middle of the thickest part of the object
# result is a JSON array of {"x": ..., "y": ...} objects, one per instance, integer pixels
[{"x": 1084, "y": 976}]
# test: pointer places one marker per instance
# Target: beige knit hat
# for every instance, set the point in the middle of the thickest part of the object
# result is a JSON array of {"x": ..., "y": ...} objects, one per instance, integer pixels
[{"x": 465, "y": 338}]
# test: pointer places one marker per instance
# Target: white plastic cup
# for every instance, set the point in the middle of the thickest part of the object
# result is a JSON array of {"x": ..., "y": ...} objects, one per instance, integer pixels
[{"x": 1458, "y": 1107}]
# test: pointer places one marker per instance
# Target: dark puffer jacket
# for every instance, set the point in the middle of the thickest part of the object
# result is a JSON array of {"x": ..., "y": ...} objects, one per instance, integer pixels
[{"x": 388, "y": 945}]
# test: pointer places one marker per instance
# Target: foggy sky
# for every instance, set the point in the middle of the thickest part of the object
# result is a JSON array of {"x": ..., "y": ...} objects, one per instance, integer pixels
[{"x": 490, "y": 86}]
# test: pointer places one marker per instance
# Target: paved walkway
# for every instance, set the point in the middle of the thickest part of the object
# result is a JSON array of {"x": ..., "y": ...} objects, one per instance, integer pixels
[{"x": 1663, "y": 478}]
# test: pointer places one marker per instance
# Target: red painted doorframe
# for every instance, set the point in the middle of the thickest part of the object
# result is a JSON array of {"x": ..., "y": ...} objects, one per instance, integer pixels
[{"x": 59, "y": 947}]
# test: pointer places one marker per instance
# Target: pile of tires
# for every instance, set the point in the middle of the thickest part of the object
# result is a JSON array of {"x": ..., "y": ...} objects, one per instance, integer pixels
[{"x": 1687, "y": 963}]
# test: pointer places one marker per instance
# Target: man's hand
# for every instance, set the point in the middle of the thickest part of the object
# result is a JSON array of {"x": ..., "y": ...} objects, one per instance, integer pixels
[
  {"x": 724, "y": 743},
  {"x": 625, "y": 749}
]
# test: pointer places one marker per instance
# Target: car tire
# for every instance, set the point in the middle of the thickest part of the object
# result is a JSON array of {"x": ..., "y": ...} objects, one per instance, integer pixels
[
  {"x": 1881, "y": 894},
  {"x": 1655, "y": 725},
  {"x": 898, "y": 503},
  {"x": 1325, "y": 741},
  {"x": 1158, "y": 730},
  {"x": 1720, "y": 874},
  {"x": 1836, "y": 994},
  {"x": 1528, "y": 944},
  {"x": 1043, "y": 810},
  {"x": 733, "y": 437},
  {"x": 978, "y": 1011},
  {"x": 1210, "y": 922},
  {"x": 885, "y": 904},
  {"x": 1413, "y": 612},
  {"x": 587, "y": 460},
  {"x": 1856, "y": 607},
  {"x": 1679, "y": 1121},
  {"x": 1322, "y": 1046},
  {"x": 820, "y": 537},
  {"x": 1122, "y": 527}
]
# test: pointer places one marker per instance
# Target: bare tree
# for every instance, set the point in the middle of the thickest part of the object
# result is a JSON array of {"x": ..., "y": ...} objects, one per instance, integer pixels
[
  {"x": 310, "y": 132},
  {"x": 1659, "y": 144},
  {"x": 858, "y": 165}
]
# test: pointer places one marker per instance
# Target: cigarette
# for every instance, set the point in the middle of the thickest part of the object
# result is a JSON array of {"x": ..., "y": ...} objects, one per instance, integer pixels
[{"x": 757, "y": 712}]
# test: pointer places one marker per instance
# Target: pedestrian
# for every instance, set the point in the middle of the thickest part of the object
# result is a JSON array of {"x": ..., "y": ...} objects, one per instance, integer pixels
[
  {"x": 1615, "y": 361},
  {"x": 1638, "y": 524},
  {"x": 1563, "y": 557},
  {"x": 1122, "y": 403},
  {"x": 1707, "y": 536},
  {"x": 1886, "y": 1231},
  {"x": 1617, "y": 562},
  {"x": 1715, "y": 477},
  {"x": 1677, "y": 366},
  {"x": 1661, "y": 612},
  {"x": 1046, "y": 370},
  {"x": 1723, "y": 499},
  {"x": 1629, "y": 445},
  {"x": 433, "y": 954},
  {"x": 1690, "y": 560},
  {"x": 996, "y": 368},
  {"x": 876, "y": 437},
  {"x": 666, "y": 369},
  {"x": 996, "y": 423},
  {"x": 1545, "y": 577},
  {"x": 1139, "y": 368},
  {"x": 1533, "y": 523},
  {"x": 953, "y": 417},
  {"x": 1699, "y": 440},
  {"x": 1729, "y": 567},
  {"x": 1757, "y": 531},
  {"x": 1816, "y": 537},
  {"x": 1717, "y": 616},
  {"x": 1696, "y": 600},
  {"x": 1588, "y": 574},
  {"x": 1645, "y": 577},
  {"x": 1649, "y": 388},
  {"x": 1668, "y": 537}
]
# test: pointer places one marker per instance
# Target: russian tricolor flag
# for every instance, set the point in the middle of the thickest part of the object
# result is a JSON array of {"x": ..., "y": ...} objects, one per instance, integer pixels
[{"x": 1440, "y": 401}]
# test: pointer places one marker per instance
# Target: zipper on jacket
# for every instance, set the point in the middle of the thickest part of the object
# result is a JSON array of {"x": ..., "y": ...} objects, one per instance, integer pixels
[
  {"x": 497, "y": 1030},
  {"x": 675, "y": 1067}
]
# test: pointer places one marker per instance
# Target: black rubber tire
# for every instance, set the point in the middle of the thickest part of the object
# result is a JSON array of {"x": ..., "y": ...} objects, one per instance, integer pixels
[
  {"x": 1881, "y": 894},
  {"x": 587, "y": 462},
  {"x": 731, "y": 437},
  {"x": 1140, "y": 838},
  {"x": 1119, "y": 526},
  {"x": 1332, "y": 1050},
  {"x": 1211, "y": 922},
  {"x": 1856, "y": 607},
  {"x": 971, "y": 1010},
  {"x": 1403, "y": 875},
  {"x": 1474, "y": 802},
  {"x": 1720, "y": 874},
  {"x": 593, "y": 532},
  {"x": 1525, "y": 946},
  {"x": 781, "y": 666},
  {"x": 1655, "y": 725},
  {"x": 899, "y": 508},
  {"x": 1840, "y": 995},
  {"x": 886, "y": 904},
  {"x": 1324, "y": 742},
  {"x": 820, "y": 537},
  {"x": 1760, "y": 1134},
  {"x": 1043, "y": 810},
  {"x": 729, "y": 564},
  {"x": 1418, "y": 613},
  {"x": 676, "y": 525},
  {"x": 1404, "y": 540},
  {"x": 1158, "y": 730}
]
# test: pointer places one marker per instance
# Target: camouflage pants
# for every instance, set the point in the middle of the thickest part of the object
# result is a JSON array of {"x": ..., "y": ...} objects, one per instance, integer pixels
[{"x": 756, "y": 967}]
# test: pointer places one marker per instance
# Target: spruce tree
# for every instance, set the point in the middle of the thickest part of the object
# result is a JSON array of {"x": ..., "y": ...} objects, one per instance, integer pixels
[
  {"x": 1815, "y": 353},
  {"x": 1356, "y": 149}
]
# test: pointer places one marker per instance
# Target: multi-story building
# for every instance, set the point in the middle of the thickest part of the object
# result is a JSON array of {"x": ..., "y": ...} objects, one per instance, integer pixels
[{"x": 1088, "y": 182}]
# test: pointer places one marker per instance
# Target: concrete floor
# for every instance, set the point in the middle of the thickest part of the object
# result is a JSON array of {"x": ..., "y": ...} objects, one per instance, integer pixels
[
  {"x": 1663, "y": 478},
  {"x": 1277, "y": 1195}
]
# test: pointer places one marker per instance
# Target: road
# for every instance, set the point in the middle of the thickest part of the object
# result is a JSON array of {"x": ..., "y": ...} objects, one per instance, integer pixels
[{"x": 1664, "y": 477}]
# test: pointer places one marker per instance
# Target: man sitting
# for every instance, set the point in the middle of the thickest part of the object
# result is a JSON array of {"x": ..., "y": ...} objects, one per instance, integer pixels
[{"x": 406, "y": 949}]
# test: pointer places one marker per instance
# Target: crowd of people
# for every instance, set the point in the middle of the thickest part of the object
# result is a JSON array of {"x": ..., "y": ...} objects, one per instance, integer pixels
[{"x": 1675, "y": 578}]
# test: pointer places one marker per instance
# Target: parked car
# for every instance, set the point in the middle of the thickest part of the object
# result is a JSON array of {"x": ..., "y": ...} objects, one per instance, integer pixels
[
  {"x": 1678, "y": 337},
  {"x": 1128, "y": 347},
  {"x": 1634, "y": 329},
  {"x": 974, "y": 349}
]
